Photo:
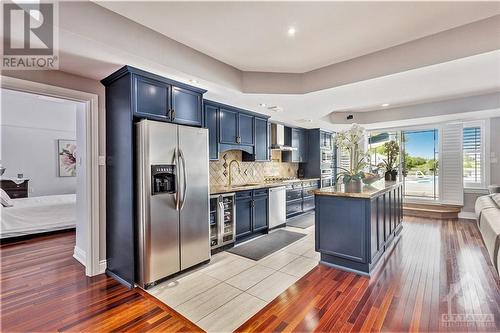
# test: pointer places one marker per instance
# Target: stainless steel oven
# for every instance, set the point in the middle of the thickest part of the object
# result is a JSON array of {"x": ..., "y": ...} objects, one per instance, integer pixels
[
  {"x": 326, "y": 182},
  {"x": 326, "y": 173},
  {"x": 326, "y": 156}
]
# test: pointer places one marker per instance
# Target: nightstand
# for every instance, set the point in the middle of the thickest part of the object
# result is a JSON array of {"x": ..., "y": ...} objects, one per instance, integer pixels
[{"x": 15, "y": 187}]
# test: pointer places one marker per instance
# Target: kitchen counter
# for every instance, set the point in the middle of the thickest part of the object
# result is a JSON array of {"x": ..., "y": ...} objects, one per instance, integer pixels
[
  {"x": 219, "y": 189},
  {"x": 367, "y": 191},
  {"x": 356, "y": 231}
]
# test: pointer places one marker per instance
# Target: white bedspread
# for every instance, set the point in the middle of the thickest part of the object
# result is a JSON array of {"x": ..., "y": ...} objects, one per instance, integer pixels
[{"x": 38, "y": 214}]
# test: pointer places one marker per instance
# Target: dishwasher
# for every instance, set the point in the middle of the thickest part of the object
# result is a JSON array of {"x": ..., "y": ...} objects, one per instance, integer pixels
[{"x": 277, "y": 207}]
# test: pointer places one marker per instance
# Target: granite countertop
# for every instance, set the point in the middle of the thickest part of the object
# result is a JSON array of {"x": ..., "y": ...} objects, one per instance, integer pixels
[
  {"x": 367, "y": 191},
  {"x": 219, "y": 189}
]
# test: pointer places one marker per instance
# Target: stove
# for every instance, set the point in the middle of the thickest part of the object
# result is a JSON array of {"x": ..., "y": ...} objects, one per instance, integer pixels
[{"x": 278, "y": 179}]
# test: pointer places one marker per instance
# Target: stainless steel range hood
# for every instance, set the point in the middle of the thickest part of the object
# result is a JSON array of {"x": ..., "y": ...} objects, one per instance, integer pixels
[{"x": 278, "y": 138}]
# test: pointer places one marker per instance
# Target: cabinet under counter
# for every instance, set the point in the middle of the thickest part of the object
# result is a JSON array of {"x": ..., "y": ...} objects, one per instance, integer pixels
[{"x": 355, "y": 231}]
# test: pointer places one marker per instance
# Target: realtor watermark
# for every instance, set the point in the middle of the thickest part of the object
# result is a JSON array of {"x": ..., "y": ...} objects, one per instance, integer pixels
[
  {"x": 464, "y": 320},
  {"x": 30, "y": 38}
]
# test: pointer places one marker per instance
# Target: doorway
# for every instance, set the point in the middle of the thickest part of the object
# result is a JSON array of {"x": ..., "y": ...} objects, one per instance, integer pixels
[
  {"x": 86, "y": 104},
  {"x": 420, "y": 164}
]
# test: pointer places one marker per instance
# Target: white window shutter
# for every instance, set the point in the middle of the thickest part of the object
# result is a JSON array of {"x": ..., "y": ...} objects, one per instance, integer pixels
[{"x": 451, "y": 165}]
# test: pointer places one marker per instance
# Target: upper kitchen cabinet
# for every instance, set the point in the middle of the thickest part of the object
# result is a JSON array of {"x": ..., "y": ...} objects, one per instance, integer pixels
[
  {"x": 228, "y": 120},
  {"x": 233, "y": 128},
  {"x": 151, "y": 98},
  {"x": 236, "y": 127},
  {"x": 158, "y": 98},
  {"x": 186, "y": 107},
  {"x": 298, "y": 139},
  {"x": 246, "y": 129},
  {"x": 261, "y": 139}
]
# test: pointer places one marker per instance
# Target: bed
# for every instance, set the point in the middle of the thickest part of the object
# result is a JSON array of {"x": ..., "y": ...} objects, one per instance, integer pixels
[{"x": 35, "y": 215}]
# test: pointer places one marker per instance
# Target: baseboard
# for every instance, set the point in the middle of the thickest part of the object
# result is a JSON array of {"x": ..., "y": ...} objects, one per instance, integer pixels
[
  {"x": 102, "y": 267},
  {"x": 467, "y": 215},
  {"x": 80, "y": 255}
]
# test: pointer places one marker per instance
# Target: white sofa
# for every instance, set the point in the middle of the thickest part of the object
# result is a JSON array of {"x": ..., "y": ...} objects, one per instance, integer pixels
[{"x": 488, "y": 219}]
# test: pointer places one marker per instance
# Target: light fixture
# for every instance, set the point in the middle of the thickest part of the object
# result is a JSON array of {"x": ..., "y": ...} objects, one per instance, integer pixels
[
  {"x": 275, "y": 108},
  {"x": 291, "y": 31},
  {"x": 305, "y": 120},
  {"x": 193, "y": 81},
  {"x": 263, "y": 105},
  {"x": 385, "y": 105}
]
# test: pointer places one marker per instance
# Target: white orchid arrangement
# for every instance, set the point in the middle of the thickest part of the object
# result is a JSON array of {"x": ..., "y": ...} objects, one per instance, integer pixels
[{"x": 349, "y": 141}]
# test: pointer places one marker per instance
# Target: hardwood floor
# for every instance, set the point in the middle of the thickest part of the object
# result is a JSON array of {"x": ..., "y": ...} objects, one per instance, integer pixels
[
  {"x": 437, "y": 267},
  {"x": 44, "y": 289}
]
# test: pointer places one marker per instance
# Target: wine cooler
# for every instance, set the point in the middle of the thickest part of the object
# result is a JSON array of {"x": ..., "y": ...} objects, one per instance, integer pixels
[{"x": 222, "y": 220}]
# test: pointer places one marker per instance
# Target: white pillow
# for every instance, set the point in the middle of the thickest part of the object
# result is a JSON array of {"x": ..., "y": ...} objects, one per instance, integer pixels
[{"x": 5, "y": 200}]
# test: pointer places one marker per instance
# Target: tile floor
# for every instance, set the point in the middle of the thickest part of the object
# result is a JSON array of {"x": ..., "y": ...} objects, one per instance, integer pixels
[{"x": 225, "y": 293}]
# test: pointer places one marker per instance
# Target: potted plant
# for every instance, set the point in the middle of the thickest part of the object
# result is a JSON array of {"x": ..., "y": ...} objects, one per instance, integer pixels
[
  {"x": 391, "y": 149},
  {"x": 349, "y": 140}
]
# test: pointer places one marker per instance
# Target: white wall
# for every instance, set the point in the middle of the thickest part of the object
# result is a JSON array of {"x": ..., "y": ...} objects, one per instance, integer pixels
[
  {"x": 495, "y": 150},
  {"x": 30, "y": 127}
]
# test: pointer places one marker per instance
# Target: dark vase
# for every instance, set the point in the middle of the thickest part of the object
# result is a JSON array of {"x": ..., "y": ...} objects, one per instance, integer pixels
[
  {"x": 353, "y": 186},
  {"x": 394, "y": 175},
  {"x": 388, "y": 175}
]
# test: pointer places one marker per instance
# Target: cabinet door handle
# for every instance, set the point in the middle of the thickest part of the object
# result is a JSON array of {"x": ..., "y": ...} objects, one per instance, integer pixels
[
  {"x": 169, "y": 114},
  {"x": 173, "y": 114}
]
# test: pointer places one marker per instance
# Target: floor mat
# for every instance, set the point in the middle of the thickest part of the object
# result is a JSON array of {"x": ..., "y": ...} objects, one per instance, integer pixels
[
  {"x": 302, "y": 222},
  {"x": 265, "y": 245}
]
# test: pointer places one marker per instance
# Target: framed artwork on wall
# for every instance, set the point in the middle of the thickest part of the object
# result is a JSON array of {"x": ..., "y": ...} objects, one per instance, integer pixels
[{"x": 66, "y": 154}]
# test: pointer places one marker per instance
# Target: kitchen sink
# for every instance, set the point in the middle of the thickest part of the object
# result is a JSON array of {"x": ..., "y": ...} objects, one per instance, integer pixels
[{"x": 245, "y": 185}]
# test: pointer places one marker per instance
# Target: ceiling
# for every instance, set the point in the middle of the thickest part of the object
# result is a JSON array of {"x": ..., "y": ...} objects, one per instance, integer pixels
[
  {"x": 471, "y": 68},
  {"x": 252, "y": 36}
]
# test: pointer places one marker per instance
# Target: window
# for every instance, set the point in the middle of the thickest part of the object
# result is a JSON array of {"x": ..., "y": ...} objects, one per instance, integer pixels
[
  {"x": 473, "y": 157},
  {"x": 344, "y": 160}
]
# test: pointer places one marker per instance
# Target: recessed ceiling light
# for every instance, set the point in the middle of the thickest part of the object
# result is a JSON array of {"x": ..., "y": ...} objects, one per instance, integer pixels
[
  {"x": 193, "y": 81},
  {"x": 385, "y": 104},
  {"x": 306, "y": 120},
  {"x": 291, "y": 31},
  {"x": 263, "y": 105}
]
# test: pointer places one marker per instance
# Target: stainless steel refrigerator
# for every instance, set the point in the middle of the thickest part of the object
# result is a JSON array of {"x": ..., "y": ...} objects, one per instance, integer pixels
[{"x": 173, "y": 199}]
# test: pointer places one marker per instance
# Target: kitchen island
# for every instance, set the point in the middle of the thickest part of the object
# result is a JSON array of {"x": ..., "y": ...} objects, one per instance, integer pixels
[{"x": 356, "y": 231}]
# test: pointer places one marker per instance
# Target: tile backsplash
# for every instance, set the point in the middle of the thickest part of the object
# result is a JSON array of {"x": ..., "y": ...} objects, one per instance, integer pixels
[{"x": 251, "y": 172}]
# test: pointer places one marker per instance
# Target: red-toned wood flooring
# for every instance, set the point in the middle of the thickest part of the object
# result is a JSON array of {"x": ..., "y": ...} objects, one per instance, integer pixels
[{"x": 436, "y": 269}]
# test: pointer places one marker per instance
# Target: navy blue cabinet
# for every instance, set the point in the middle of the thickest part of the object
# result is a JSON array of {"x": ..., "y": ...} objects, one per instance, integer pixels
[
  {"x": 260, "y": 208},
  {"x": 261, "y": 139},
  {"x": 151, "y": 98},
  {"x": 233, "y": 128},
  {"x": 236, "y": 127},
  {"x": 252, "y": 217},
  {"x": 360, "y": 231},
  {"x": 245, "y": 129},
  {"x": 158, "y": 98},
  {"x": 211, "y": 121},
  {"x": 244, "y": 216},
  {"x": 186, "y": 107},
  {"x": 133, "y": 94},
  {"x": 228, "y": 120}
]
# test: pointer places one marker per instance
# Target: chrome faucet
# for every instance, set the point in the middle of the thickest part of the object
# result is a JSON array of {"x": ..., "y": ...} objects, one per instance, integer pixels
[{"x": 231, "y": 173}]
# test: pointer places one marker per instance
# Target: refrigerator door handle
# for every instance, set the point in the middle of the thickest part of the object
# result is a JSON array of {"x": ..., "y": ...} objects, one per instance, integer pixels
[
  {"x": 177, "y": 196},
  {"x": 184, "y": 176}
]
